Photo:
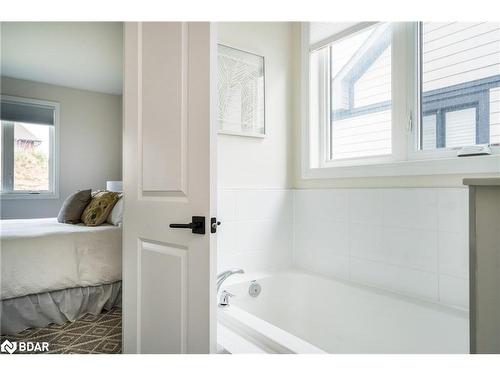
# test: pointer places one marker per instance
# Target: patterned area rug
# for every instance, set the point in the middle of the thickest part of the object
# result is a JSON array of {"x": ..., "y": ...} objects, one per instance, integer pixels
[{"x": 91, "y": 334}]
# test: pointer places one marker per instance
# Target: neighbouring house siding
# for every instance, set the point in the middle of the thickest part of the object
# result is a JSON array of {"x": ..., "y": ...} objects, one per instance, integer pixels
[
  {"x": 375, "y": 128},
  {"x": 495, "y": 115},
  {"x": 448, "y": 49},
  {"x": 461, "y": 53},
  {"x": 375, "y": 85}
]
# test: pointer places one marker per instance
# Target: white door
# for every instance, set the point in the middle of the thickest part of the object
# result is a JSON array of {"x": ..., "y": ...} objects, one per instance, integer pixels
[{"x": 169, "y": 177}]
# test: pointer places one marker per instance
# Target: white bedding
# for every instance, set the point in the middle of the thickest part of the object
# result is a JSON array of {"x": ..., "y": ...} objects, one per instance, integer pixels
[{"x": 42, "y": 255}]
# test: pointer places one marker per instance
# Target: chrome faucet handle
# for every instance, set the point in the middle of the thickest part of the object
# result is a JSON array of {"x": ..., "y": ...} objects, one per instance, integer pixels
[{"x": 224, "y": 298}]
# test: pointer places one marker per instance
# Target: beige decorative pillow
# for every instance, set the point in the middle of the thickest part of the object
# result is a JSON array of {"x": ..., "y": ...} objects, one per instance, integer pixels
[{"x": 99, "y": 207}]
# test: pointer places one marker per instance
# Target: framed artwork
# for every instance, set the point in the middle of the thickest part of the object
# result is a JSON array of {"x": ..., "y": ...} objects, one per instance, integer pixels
[{"x": 241, "y": 92}]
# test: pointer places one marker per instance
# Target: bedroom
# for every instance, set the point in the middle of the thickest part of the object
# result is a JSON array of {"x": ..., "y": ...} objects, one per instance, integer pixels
[{"x": 61, "y": 141}]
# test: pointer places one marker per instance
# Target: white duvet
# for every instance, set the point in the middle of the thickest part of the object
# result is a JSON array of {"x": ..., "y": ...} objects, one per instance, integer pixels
[{"x": 42, "y": 255}]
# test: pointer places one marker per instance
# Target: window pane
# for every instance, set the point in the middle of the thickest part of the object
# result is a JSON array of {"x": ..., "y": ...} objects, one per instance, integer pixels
[
  {"x": 460, "y": 129},
  {"x": 361, "y": 94},
  {"x": 429, "y": 132},
  {"x": 31, "y": 157},
  {"x": 460, "y": 83}
]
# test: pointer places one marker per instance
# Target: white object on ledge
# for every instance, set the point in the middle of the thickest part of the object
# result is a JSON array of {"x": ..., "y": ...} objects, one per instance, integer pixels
[
  {"x": 114, "y": 186},
  {"x": 474, "y": 150}
]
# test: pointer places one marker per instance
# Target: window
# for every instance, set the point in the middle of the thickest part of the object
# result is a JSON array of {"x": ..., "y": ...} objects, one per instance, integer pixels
[
  {"x": 355, "y": 72},
  {"x": 28, "y": 149},
  {"x": 386, "y": 93},
  {"x": 460, "y": 84}
]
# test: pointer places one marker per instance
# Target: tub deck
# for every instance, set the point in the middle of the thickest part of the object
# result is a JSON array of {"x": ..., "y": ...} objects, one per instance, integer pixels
[{"x": 299, "y": 312}]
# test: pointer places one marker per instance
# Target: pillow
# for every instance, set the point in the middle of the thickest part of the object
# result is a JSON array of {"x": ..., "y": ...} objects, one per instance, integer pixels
[
  {"x": 116, "y": 215},
  {"x": 99, "y": 208},
  {"x": 72, "y": 208}
]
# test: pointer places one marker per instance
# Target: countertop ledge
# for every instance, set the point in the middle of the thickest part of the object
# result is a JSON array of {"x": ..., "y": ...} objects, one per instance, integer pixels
[{"x": 486, "y": 181}]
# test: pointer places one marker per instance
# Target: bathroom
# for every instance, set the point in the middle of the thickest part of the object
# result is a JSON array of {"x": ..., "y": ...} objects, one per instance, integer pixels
[
  {"x": 371, "y": 258},
  {"x": 313, "y": 178}
]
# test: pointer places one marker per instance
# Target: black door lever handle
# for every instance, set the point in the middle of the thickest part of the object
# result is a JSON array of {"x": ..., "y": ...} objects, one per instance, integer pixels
[
  {"x": 197, "y": 225},
  {"x": 190, "y": 225}
]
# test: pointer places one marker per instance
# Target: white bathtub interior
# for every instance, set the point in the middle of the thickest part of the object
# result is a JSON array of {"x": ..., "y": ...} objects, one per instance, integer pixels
[
  {"x": 299, "y": 312},
  {"x": 406, "y": 248}
]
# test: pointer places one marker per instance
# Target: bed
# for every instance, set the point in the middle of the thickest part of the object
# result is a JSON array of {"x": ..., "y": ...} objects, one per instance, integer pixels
[{"x": 53, "y": 272}]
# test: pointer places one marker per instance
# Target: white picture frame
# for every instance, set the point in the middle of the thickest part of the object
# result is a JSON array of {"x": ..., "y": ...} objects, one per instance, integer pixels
[{"x": 241, "y": 92}]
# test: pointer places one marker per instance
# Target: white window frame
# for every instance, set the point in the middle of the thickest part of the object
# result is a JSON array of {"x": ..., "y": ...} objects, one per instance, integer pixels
[
  {"x": 53, "y": 193},
  {"x": 406, "y": 159}
]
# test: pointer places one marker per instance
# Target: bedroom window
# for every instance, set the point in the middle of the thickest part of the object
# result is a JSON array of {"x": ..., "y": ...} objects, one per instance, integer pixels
[{"x": 28, "y": 148}]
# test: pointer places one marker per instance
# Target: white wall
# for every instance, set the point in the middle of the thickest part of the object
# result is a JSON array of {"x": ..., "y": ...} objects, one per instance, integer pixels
[
  {"x": 245, "y": 162},
  {"x": 90, "y": 143},
  {"x": 254, "y": 209}
]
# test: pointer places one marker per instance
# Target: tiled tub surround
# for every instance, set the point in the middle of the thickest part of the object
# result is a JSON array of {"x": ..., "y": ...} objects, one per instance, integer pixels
[
  {"x": 413, "y": 241},
  {"x": 256, "y": 231}
]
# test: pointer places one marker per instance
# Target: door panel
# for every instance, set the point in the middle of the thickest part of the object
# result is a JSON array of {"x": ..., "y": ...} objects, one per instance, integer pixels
[
  {"x": 164, "y": 107},
  {"x": 169, "y": 176},
  {"x": 163, "y": 272}
]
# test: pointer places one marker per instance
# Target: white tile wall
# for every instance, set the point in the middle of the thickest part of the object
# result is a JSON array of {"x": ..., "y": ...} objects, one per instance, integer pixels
[
  {"x": 400, "y": 279},
  {"x": 454, "y": 254},
  {"x": 454, "y": 291},
  {"x": 257, "y": 229},
  {"x": 413, "y": 241}
]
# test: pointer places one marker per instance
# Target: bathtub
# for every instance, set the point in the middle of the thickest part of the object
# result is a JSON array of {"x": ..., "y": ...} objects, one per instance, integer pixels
[{"x": 299, "y": 312}]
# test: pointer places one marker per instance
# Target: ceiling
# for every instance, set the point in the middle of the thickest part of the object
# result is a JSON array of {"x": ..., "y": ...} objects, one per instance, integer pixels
[
  {"x": 321, "y": 30},
  {"x": 82, "y": 55}
]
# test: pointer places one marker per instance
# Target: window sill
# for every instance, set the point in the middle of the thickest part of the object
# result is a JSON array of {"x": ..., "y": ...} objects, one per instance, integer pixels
[
  {"x": 452, "y": 165},
  {"x": 241, "y": 134},
  {"x": 14, "y": 196}
]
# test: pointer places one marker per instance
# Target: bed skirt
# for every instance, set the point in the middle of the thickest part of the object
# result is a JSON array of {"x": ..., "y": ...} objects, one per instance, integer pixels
[{"x": 60, "y": 306}]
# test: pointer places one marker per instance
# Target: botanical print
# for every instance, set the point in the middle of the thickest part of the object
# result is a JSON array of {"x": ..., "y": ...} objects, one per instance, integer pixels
[{"x": 240, "y": 92}]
